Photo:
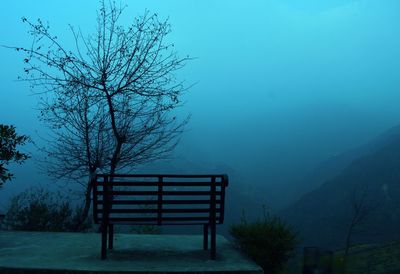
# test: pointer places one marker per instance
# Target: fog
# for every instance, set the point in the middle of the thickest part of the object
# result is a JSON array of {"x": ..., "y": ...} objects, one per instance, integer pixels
[{"x": 278, "y": 86}]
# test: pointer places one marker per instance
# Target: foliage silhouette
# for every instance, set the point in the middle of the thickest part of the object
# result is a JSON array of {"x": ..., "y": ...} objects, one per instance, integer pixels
[
  {"x": 9, "y": 140},
  {"x": 37, "y": 209},
  {"x": 268, "y": 241}
]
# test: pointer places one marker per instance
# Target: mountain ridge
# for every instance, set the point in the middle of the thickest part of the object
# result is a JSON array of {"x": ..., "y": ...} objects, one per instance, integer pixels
[{"x": 318, "y": 214}]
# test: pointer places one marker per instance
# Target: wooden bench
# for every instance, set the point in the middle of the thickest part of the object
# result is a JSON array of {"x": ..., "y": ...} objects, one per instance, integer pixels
[{"x": 149, "y": 199}]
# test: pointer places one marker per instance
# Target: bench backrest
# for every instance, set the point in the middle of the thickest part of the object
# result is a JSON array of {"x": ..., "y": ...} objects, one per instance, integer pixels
[{"x": 159, "y": 199}]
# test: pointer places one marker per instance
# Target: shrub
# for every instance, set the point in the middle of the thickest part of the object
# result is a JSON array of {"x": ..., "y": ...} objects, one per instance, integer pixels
[
  {"x": 40, "y": 210},
  {"x": 270, "y": 242}
]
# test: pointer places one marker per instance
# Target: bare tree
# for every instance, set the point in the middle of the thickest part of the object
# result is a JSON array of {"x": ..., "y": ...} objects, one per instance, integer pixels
[
  {"x": 109, "y": 101},
  {"x": 362, "y": 207}
]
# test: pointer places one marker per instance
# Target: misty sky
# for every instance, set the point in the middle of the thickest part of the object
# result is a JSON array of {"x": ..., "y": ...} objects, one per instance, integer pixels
[{"x": 280, "y": 84}]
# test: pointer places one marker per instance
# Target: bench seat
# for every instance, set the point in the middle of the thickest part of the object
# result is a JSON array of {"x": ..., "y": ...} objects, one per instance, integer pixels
[{"x": 156, "y": 199}]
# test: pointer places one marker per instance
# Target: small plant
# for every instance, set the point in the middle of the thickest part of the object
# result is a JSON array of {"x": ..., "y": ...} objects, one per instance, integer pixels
[
  {"x": 270, "y": 242},
  {"x": 40, "y": 210}
]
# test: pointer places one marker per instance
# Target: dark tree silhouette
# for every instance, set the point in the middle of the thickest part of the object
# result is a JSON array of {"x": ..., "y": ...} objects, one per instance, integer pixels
[
  {"x": 362, "y": 207},
  {"x": 109, "y": 101},
  {"x": 9, "y": 140}
]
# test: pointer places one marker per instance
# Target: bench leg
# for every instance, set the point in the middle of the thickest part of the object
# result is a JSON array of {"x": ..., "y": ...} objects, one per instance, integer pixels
[
  {"x": 111, "y": 237},
  {"x": 103, "y": 242},
  {"x": 205, "y": 237},
  {"x": 213, "y": 241}
]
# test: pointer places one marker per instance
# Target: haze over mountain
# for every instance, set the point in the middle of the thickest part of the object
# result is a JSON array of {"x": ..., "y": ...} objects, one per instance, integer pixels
[
  {"x": 322, "y": 215},
  {"x": 333, "y": 166},
  {"x": 280, "y": 86}
]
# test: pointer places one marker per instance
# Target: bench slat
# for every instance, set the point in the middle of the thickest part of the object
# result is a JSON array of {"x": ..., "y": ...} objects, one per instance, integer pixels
[
  {"x": 154, "y": 202},
  {"x": 142, "y": 183},
  {"x": 164, "y": 210},
  {"x": 163, "y": 223},
  {"x": 220, "y": 176},
  {"x": 154, "y": 219},
  {"x": 169, "y": 193},
  {"x": 130, "y": 183}
]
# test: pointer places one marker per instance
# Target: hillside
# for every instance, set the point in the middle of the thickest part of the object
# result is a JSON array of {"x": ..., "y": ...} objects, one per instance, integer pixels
[
  {"x": 376, "y": 259},
  {"x": 322, "y": 215},
  {"x": 333, "y": 166}
]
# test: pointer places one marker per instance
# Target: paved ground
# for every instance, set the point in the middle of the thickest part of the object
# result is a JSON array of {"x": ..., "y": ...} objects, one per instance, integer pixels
[{"x": 47, "y": 252}]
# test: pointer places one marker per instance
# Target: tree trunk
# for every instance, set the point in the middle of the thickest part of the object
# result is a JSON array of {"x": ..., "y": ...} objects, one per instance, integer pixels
[
  {"x": 347, "y": 247},
  {"x": 88, "y": 199}
]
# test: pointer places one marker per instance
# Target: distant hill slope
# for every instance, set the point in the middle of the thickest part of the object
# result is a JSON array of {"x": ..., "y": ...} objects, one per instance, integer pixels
[
  {"x": 322, "y": 214},
  {"x": 333, "y": 166},
  {"x": 377, "y": 259}
]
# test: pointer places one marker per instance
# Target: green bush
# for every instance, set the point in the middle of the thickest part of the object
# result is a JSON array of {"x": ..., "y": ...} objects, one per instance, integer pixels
[
  {"x": 270, "y": 242},
  {"x": 40, "y": 210}
]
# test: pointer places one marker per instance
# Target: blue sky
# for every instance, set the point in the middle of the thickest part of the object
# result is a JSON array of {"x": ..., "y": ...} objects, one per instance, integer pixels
[{"x": 279, "y": 84}]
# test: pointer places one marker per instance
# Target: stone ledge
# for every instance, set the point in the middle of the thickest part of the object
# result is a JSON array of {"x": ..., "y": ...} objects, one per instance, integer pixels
[{"x": 53, "y": 252}]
